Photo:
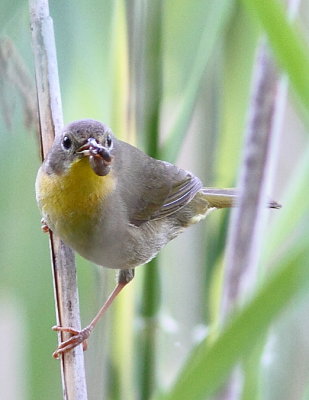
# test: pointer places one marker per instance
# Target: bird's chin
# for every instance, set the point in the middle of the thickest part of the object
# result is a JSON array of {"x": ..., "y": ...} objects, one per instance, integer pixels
[{"x": 99, "y": 165}]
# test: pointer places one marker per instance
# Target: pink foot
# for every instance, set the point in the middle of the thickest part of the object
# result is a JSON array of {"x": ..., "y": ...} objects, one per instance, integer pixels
[{"x": 77, "y": 338}]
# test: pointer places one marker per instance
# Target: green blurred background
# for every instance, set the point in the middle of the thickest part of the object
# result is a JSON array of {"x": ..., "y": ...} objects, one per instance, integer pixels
[{"x": 150, "y": 70}]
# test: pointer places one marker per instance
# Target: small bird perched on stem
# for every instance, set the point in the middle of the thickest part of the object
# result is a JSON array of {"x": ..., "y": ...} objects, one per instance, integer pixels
[{"x": 115, "y": 205}]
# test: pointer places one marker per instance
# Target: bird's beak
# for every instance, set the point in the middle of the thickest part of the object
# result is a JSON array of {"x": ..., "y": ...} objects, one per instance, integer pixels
[
  {"x": 99, "y": 156},
  {"x": 93, "y": 148}
]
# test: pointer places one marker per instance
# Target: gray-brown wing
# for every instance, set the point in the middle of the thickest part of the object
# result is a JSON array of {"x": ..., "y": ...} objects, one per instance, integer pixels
[{"x": 167, "y": 189}]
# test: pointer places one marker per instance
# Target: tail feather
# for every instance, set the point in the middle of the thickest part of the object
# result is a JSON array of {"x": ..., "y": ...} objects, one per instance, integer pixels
[{"x": 225, "y": 198}]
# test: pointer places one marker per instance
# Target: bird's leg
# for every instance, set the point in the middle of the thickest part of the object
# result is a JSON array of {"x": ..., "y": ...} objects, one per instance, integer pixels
[{"x": 124, "y": 277}]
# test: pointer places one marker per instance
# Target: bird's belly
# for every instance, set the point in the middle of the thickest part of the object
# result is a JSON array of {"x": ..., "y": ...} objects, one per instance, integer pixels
[
  {"x": 112, "y": 243},
  {"x": 129, "y": 246}
]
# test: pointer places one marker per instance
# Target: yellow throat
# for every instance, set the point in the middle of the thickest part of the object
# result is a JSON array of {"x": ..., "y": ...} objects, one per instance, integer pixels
[{"x": 71, "y": 201}]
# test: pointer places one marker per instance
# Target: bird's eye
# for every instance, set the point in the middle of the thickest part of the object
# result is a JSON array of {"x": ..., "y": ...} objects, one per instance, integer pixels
[
  {"x": 66, "y": 142},
  {"x": 109, "y": 141}
]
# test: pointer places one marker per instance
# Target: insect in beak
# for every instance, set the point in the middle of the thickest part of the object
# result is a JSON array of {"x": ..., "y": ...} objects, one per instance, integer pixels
[{"x": 99, "y": 156}]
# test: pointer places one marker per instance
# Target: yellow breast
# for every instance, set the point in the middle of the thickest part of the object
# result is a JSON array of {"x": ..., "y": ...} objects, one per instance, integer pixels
[{"x": 70, "y": 202}]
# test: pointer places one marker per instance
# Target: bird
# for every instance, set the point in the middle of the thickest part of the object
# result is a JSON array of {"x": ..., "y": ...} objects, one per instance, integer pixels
[{"x": 115, "y": 205}]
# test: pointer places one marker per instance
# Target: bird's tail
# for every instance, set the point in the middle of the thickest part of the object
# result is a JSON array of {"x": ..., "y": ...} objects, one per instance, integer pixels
[{"x": 225, "y": 198}]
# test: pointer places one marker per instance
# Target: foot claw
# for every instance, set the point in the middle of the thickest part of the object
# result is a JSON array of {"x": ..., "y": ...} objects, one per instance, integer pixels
[
  {"x": 68, "y": 329},
  {"x": 79, "y": 337},
  {"x": 44, "y": 226}
]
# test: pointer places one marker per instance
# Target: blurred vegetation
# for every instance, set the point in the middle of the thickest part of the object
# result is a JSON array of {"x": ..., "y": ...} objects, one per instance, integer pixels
[{"x": 173, "y": 78}]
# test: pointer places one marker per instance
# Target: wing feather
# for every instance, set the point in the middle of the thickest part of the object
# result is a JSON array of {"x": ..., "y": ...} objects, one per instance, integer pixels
[{"x": 176, "y": 188}]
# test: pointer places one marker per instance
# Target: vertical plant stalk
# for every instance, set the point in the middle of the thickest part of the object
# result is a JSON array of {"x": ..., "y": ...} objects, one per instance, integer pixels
[
  {"x": 248, "y": 220},
  {"x": 268, "y": 99},
  {"x": 62, "y": 257},
  {"x": 13, "y": 71},
  {"x": 152, "y": 84}
]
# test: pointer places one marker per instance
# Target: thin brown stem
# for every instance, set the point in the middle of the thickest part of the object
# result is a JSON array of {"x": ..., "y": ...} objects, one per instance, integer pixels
[{"x": 62, "y": 257}]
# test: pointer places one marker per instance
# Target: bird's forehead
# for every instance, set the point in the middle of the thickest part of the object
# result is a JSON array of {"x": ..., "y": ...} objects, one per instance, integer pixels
[{"x": 84, "y": 129}]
